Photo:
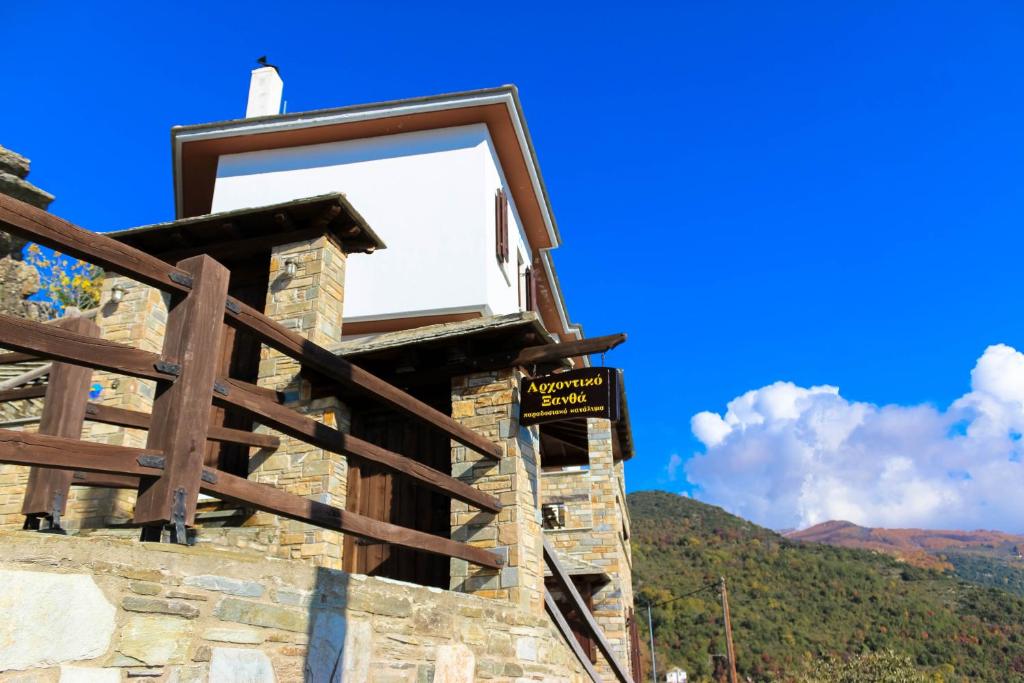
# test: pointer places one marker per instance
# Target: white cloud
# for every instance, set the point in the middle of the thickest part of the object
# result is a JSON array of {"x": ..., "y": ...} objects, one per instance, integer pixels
[
  {"x": 675, "y": 462},
  {"x": 788, "y": 456}
]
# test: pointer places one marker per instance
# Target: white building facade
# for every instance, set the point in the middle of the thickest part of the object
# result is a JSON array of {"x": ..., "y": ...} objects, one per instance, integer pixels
[{"x": 433, "y": 176}]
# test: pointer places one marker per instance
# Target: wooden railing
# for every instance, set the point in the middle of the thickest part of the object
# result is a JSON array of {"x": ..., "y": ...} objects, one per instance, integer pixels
[
  {"x": 565, "y": 584},
  {"x": 169, "y": 473}
]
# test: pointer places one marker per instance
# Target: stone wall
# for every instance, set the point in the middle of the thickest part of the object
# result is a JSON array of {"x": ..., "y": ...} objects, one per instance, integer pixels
[
  {"x": 92, "y": 610},
  {"x": 488, "y": 403},
  {"x": 596, "y": 532},
  {"x": 614, "y": 599},
  {"x": 309, "y": 302}
]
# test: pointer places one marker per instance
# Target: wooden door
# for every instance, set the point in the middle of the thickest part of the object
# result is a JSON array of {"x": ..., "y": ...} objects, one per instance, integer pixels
[{"x": 382, "y": 495}]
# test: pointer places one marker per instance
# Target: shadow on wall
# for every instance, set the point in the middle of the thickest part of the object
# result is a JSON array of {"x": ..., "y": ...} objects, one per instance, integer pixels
[{"x": 338, "y": 649}]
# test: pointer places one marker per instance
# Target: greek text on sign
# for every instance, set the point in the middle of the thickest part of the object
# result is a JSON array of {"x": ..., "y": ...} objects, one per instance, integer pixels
[{"x": 589, "y": 392}]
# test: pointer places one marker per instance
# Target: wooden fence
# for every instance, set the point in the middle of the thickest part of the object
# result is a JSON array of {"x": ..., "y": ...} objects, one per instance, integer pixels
[{"x": 169, "y": 472}]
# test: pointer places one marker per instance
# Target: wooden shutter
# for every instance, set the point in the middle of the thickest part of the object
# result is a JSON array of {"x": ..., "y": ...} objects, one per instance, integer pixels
[
  {"x": 501, "y": 225},
  {"x": 531, "y": 290}
]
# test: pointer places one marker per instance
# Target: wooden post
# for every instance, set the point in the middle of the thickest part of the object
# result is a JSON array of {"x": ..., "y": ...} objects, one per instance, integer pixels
[
  {"x": 67, "y": 394},
  {"x": 730, "y": 652},
  {"x": 181, "y": 410}
]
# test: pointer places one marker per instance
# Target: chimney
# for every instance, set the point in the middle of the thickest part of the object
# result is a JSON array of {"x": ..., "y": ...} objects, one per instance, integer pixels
[{"x": 265, "y": 90}]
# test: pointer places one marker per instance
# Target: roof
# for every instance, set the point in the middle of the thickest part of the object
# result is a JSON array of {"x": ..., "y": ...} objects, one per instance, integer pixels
[
  {"x": 197, "y": 148},
  {"x": 441, "y": 332},
  {"x": 243, "y": 231}
]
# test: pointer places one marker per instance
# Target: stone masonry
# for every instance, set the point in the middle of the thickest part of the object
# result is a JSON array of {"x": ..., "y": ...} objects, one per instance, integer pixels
[
  {"x": 108, "y": 610},
  {"x": 309, "y": 302},
  {"x": 596, "y": 531},
  {"x": 138, "y": 320},
  {"x": 609, "y": 552},
  {"x": 488, "y": 403}
]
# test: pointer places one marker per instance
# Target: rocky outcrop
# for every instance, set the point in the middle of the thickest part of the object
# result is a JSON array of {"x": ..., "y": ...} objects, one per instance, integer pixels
[{"x": 18, "y": 280}]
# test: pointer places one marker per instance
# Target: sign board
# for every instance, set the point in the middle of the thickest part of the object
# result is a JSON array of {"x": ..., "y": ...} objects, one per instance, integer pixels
[{"x": 589, "y": 392}]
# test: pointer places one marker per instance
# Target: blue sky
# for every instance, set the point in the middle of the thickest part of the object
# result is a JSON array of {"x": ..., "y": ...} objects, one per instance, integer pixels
[{"x": 808, "y": 192}]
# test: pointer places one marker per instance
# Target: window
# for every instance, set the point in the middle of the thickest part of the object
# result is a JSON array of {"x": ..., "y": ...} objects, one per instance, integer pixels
[{"x": 501, "y": 225}]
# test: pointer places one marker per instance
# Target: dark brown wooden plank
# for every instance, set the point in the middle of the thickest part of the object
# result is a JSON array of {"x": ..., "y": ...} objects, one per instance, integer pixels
[
  {"x": 59, "y": 344},
  {"x": 40, "y": 450},
  {"x": 63, "y": 415},
  {"x": 564, "y": 582},
  {"x": 263, "y": 497},
  {"x": 36, "y": 391},
  {"x": 44, "y": 228},
  {"x": 242, "y": 395},
  {"x": 570, "y": 638},
  {"x": 321, "y": 360},
  {"x": 134, "y": 419},
  {"x": 105, "y": 481},
  {"x": 583, "y": 347},
  {"x": 181, "y": 412}
]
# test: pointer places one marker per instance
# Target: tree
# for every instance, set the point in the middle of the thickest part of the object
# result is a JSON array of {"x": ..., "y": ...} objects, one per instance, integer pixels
[
  {"x": 64, "y": 282},
  {"x": 873, "y": 667}
]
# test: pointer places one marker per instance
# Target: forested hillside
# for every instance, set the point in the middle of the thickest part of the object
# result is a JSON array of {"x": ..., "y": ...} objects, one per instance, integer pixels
[{"x": 792, "y": 602}]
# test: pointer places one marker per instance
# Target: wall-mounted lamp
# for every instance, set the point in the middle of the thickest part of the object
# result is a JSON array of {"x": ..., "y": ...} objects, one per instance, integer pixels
[
  {"x": 370, "y": 249},
  {"x": 290, "y": 267},
  {"x": 117, "y": 294}
]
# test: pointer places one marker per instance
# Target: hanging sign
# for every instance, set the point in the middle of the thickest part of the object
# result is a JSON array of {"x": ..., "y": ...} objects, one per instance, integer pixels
[{"x": 589, "y": 392}]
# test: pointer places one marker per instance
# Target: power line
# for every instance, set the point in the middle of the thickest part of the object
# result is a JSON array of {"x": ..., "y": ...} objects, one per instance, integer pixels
[{"x": 684, "y": 595}]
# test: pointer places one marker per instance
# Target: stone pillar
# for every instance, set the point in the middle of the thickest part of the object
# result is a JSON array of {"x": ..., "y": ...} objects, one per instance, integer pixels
[
  {"x": 309, "y": 302},
  {"x": 488, "y": 403},
  {"x": 138, "y": 320},
  {"x": 612, "y": 600}
]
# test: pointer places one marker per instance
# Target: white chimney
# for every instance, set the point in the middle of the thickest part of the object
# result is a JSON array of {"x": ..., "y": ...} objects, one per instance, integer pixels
[{"x": 265, "y": 90}]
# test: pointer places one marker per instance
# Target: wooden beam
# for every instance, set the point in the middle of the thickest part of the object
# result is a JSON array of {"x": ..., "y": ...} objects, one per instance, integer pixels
[
  {"x": 60, "y": 344},
  {"x": 25, "y": 377},
  {"x": 181, "y": 412},
  {"x": 284, "y": 222},
  {"x": 105, "y": 481},
  {"x": 583, "y": 347},
  {"x": 37, "y": 391},
  {"x": 325, "y": 217},
  {"x": 44, "y": 228},
  {"x": 241, "y": 395},
  {"x": 40, "y": 450},
  {"x": 565, "y": 583},
  {"x": 544, "y": 355},
  {"x": 67, "y": 392},
  {"x": 23, "y": 448},
  {"x": 134, "y": 419},
  {"x": 267, "y": 498},
  {"x": 321, "y": 360},
  {"x": 570, "y": 638}
]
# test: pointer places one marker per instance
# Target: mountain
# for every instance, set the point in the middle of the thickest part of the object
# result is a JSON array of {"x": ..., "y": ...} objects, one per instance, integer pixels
[
  {"x": 793, "y": 602},
  {"x": 991, "y": 558}
]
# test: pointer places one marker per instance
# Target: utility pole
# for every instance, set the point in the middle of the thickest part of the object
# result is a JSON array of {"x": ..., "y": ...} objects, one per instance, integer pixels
[
  {"x": 729, "y": 651},
  {"x": 654, "y": 659}
]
